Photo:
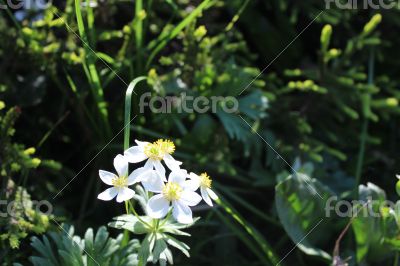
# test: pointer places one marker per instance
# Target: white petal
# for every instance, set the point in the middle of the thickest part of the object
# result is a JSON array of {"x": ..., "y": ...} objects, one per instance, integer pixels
[
  {"x": 107, "y": 177},
  {"x": 125, "y": 194},
  {"x": 190, "y": 198},
  {"x": 171, "y": 162},
  {"x": 192, "y": 184},
  {"x": 160, "y": 169},
  {"x": 141, "y": 143},
  {"x": 194, "y": 176},
  {"x": 108, "y": 194},
  {"x": 178, "y": 177},
  {"x": 121, "y": 165},
  {"x": 136, "y": 176},
  {"x": 157, "y": 207},
  {"x": 182, "y": 213},
  {"x": 148, "y": 165},
  {"x": 212, "y": 194},
  {"x": 135, "y": 154},
  {"x": 151, "y": 181},
  {"x": 205, "y": 196}
]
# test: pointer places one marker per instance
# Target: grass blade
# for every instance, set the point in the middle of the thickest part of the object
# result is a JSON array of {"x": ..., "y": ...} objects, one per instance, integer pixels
[{"x": 128, "y": 109}]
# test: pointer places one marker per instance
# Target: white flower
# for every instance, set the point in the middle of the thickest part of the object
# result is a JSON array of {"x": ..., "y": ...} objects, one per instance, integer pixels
[
  {"x": 176, "y": 192},
  {"x": 204, "y": 182},
  {"x": 121, "y": 182},
  {"x": 154, "y": 153}
]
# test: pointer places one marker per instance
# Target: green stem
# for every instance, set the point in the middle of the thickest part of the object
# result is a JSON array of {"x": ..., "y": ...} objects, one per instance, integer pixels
[
  {"x": 137, "y": 215},
  {"x": 366, "y": 105},
  {"x": 260, "y": 240},
  {"x": 128, "y": 109},
  {"x": 90, "y": 69},
  {"x": 126, "y": 207},
  {"x": 139, "y": 35},
  {"x": 396, "y": 259}
]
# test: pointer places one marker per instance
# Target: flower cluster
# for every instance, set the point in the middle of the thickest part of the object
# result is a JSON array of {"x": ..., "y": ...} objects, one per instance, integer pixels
[{"x": 178, "y": 191}]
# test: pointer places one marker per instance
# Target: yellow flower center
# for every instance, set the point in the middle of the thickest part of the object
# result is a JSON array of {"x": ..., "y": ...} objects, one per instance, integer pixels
[
  {"x": 153, "y": 151},
  {"x": 205, "y": 180},
  {"x": 166, "y": 146},
  {"x": 158, "y": 149},
  {"x": 172, "y": 191},
  {"x": 120, "y": 182}
]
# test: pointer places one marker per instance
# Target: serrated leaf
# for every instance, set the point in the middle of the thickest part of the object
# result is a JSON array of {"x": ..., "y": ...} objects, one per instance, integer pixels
[{"x": 178, "y": 244}]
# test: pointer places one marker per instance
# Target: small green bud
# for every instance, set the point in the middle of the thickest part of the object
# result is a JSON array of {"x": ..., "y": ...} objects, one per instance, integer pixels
[
  {"x": 200, "y": 32},
  {"x": 333, "y": 53},
  {"x": 2, "y": 105},
  {"x": 30, "y": 151},
  {"x": 326, "y": 37},
  {"x": 126, "y": 29},
  {"x": 142, "y": 14},
  {"x": 36, "y": 162},
  {"x": 27, "y": 31},
  {"x": 398, "y": 187},
  {"x": 15, "y": 167},
  {"x": 372, "y": 24},
  {"x": 392, "y": 102}
]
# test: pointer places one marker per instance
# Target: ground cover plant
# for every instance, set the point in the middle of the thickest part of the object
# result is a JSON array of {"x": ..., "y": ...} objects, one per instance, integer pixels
[{"x": 199, "y": 132}]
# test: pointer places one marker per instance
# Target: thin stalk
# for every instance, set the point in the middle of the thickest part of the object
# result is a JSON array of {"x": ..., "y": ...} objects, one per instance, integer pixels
[
  {"x": 127, "y": 127},
  {"x": 237, "y": 16},
  {"x": 90, "y": 23},
  {"x": 128, "y": 109},
  {"x": 396, "y": 259},
  {"x": 138, "y": 26},
  {"x": 91, "y": 71},
  {"x": 366, "y": 105},
  {"x": 137, "y": 215},
  {"x": 266, "y": 248}
]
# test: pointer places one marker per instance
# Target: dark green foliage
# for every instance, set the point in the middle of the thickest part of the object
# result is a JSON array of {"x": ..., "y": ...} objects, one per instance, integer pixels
[
  {"x": 63, "y": 248},
  {"x": 327, "y": 101}
]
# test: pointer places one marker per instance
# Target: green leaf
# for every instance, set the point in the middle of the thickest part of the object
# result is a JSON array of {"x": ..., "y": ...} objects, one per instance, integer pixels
[
  {"x": 159, "y": 248},
  {"x": 178, "y": 244},
  {"x": 374, "y": 234},
  {"x": 132, "y": 223},
  {"x": 301, "y": 203},
  {"x": 145, "y": 249}
]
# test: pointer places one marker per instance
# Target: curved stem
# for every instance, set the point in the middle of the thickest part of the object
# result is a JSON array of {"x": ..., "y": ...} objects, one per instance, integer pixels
[
  {"x": 128, "y": 109},
  {"x": 137, "y": 215}
]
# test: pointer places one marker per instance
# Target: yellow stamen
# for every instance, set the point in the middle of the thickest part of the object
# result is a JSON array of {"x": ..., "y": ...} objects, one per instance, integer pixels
[
  {"x": 120, "y": 182},
  {"x": 153, "y": 151},
  {"x": 158, "y": 149},
  {"x": 205, "y": 180},
  {"x": 166, "y": 146},
  {"x": 172, "y": 191}
]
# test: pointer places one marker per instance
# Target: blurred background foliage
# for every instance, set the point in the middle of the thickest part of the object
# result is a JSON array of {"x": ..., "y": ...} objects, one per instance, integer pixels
[{"x": 319, "y": 86}]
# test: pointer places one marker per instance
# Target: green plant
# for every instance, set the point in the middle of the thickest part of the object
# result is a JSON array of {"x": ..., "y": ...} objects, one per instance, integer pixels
[{"x": 64, "y": 248}]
